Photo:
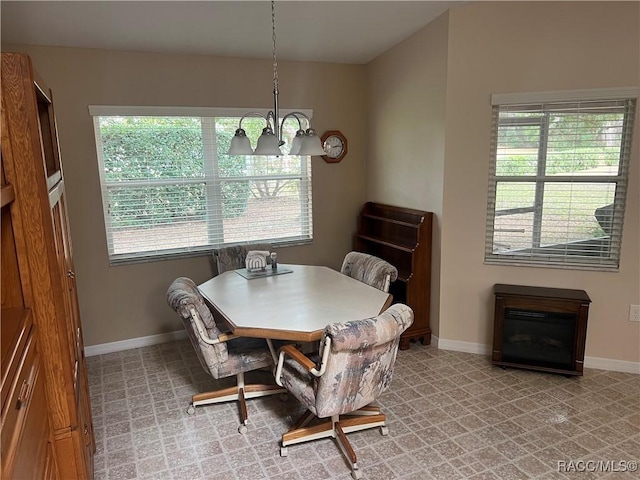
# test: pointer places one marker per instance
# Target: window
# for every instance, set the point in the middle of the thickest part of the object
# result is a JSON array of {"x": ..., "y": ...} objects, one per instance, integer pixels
[
  {"x": 558, "y": 178},
  {"x": 168, "y": 187}
]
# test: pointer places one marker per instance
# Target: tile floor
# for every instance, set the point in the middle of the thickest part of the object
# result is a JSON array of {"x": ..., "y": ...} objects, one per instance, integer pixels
[{"x": 451, "y": 415}]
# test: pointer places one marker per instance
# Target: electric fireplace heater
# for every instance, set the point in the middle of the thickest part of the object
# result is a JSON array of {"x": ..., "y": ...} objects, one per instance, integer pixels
[{"x": 540, "y": 328}]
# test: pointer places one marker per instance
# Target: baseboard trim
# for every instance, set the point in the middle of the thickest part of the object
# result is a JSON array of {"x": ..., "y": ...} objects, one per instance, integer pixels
[
  {"x": 121, "y": 345},
  {"x": 440, "y": 343},
  {"x": 611, "y": 364},
  {"x": 467, "y": 347},
  {"x": 589, "y": 362}
]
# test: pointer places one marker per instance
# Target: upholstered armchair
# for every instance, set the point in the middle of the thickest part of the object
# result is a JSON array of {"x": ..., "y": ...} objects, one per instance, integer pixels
[
  {"x": 232, "y": 258},
  {"x": 369, "y": 269},
  {"x": 220, "y": 354},
  {"x": 354, "y": 367}
]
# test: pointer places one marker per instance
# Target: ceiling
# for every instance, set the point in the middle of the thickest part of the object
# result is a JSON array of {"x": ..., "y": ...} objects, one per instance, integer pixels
[{"x": 322, "y": 31}]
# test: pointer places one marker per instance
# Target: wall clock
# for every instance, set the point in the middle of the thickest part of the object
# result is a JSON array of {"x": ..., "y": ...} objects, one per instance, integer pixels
[{"x": 334, "y": 144}]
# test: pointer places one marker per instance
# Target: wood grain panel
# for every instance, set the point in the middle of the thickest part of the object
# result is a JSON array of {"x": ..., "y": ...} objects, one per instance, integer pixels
[
  {"x": 11, "y": 286},
  {"x": 31, "y": 452},
  {"x": 42, "y": 270},
  {"x": 26, "y": 174}
]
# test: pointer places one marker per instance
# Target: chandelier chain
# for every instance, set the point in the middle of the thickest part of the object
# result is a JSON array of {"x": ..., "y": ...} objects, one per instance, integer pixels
[
  {"x": 305, "y": 142},
  {"x": 273, "y": 35}
]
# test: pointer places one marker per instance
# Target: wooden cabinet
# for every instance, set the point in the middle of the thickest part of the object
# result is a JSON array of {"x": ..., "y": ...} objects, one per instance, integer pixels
[
  {"x": 40, "y": 323},
  {"x": 402, "y": 237},
  {"x": 540, "y": 328},
  {"x": 26, "y": 431}
]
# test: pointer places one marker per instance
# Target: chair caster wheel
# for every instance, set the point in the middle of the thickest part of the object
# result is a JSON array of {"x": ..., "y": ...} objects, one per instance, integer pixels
[
  {"x": 191, "y": 410},
  {"x": 242, "y": 429},
  {"x": 284, "y": 452},
  {"x": 384, "y": 431},
  {"x": 356, "y": 474}
]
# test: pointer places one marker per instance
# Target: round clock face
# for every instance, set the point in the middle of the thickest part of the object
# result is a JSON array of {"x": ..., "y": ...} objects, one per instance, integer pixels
[{"x": 334, "y": 144}]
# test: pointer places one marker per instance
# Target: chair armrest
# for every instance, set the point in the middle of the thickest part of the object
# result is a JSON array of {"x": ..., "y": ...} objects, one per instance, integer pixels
[
  {"x": 303, "y": 360},
  {"x": 299, "y": 357},
  {"x": 223, "y": 337},
  {"x": 387, "y": 283}
]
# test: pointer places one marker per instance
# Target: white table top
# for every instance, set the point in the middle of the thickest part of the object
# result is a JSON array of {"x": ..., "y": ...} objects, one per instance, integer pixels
[{"x": 293, "y": 306}]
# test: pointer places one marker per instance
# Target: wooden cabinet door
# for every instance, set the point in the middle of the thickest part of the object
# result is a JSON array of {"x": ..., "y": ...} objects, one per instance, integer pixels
[
  {"x": 51, "y": 467},
  {"x": 64, "y": 254},
  {"x": 67, "y": 276},
  {"x": 86, "y": 431},
  {"x": 31, "y": 452},
  {"x": 26, "y": 433}
]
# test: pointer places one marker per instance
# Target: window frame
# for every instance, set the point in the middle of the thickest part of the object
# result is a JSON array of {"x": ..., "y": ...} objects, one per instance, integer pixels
[
  {"x": 536, "y": 257},
  {"x": 212, "y": 180}
]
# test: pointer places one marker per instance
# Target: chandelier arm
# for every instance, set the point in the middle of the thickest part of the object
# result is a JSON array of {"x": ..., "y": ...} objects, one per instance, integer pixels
[
  {"x": 270, "y": 116},
  {"x": 297, "y": 116},
  {"x": 253, "y": 114}
]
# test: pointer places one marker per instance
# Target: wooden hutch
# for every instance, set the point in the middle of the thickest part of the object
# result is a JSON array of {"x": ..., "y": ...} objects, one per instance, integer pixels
[{"x": 402, "y": 237}]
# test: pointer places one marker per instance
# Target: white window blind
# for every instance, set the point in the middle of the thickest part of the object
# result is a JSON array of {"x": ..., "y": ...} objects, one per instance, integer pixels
[
  {"x": 558, "y": 180},
  {"x": 168, "y": 187}
]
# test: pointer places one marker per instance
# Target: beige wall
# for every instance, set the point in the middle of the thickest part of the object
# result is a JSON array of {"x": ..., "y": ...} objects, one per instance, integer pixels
[
  {"x": 429, "y": 121},
  {"x": 407, "y": 88},
  {"x": 125, "y": 302},
  {"x": 508, "y": 47}
]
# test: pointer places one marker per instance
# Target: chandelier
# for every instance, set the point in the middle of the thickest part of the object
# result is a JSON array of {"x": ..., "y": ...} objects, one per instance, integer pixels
[{"x": 306, "y": 142}]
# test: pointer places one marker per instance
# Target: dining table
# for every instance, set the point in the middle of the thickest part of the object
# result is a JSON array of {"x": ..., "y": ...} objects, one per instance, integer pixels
[{"x": 294, "y": 303}]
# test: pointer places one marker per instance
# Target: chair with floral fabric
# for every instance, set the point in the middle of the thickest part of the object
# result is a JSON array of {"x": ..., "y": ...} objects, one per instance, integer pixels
[
  {"x": 338, "y": 387},
  {"x": 232, "y": 258},
  {"x": 369, "y": 269},
  {"x": 220, "y": 354}
]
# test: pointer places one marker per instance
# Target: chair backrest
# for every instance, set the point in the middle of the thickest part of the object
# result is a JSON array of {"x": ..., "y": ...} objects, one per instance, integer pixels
[
  {"x": 183, "y": 296},
  {"x": 369, "y": 269},
  {"x": 232, "y": 258},
  {"x": 361, "y": 360}
]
